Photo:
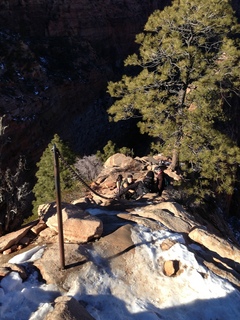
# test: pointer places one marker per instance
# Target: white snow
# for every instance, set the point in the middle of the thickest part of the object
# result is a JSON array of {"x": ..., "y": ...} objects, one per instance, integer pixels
[
  {"x": 195, "y": 294},
  {"x": 28, "y": 256}
]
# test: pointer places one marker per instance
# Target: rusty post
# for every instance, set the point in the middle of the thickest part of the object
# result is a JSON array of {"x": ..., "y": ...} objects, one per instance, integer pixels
[{"x": 59, "y": 207}]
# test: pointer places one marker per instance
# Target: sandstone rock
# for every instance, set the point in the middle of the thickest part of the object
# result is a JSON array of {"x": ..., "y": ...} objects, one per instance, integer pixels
[
  {"x": 82, "y": 230},
  {"x": 49, "y": 264},
  {"x": 175, "y": 208},
  {"x": 119, "y": 160},
  {"x": 109, "y": 184},
  {"x": 48, "y": 235},
  {"x": 231, "y": 275},
  {"x": 172, "y": 215},
  {"x": 154, "y": 225},
  {"x": 102, "y": 201},
  {"x": 17, "y": 268},
  {"x": 39, "y": 227},
  {"x": 148, "y": 160},
  {"x": 215, "y": 244},
  {"x": 49, "y": 213},
  {"x": 78, "y": 225},
  {"x": 172, "y": 174},
  {"x": 43, "y": 208},
  {"x": 167, "y": 244},
  {"x": 116, "y": 248},
  {"x": 68, "y": 308},
  {"x": 168, "y": 268},
  {"x": 4, "y": 271},
  {"x": 171, "y": 268},
  {"x": 13, "y": 238}
]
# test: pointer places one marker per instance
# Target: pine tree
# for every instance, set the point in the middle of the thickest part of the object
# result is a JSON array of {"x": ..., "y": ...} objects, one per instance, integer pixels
[
  {"x": 110, "y": 149},
  {"x": 44, "y": 189},
  {"x": 187, "y": 73}
]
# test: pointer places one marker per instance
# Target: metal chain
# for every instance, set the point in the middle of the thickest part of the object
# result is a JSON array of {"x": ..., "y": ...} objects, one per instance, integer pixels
[{"x": 78, "y": 177}]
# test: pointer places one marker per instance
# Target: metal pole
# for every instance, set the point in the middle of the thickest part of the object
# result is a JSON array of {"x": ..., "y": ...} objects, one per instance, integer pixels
[{"x": 59, "y": 207}]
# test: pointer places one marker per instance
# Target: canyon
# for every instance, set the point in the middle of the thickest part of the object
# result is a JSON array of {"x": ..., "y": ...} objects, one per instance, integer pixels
[{"x": 56, "y": 59}]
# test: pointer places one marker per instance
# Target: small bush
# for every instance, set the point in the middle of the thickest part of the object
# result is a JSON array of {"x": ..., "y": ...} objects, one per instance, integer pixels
[{"x": 89, "y": 167}]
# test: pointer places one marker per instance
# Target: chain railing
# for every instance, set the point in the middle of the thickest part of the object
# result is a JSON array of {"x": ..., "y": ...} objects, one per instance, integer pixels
[{"x": 79, "y": 178}]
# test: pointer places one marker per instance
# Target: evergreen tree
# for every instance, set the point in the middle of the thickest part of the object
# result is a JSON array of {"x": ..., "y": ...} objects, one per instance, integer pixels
[
  {"x": 110, "y": 149},
  {"x": 44, "y": 189},
  {"x": 187, "y": 73}
]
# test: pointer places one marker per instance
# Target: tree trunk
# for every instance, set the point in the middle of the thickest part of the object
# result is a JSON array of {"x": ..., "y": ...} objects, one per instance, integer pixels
[{"x": 175, "y": 159}]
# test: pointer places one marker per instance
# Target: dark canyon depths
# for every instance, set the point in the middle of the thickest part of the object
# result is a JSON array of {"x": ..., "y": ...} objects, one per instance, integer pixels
[
  {"x": 56, "y": 60},
  {"x": 57, "y": 57}
]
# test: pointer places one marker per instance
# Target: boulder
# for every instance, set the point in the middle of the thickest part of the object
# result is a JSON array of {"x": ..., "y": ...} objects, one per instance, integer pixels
[
  {"x": 78, "y": 225},
  {"x": 119, "y": 160},
  {"x": 13, "y": 238},
  {"x": 172, "y": 215},
  {"x": 68, "y": 308},
  {"x": 216, "y": 244},
  {"x": 82, "y": 230},
  {"x": 116, "y": 249},
  {"x": 172, "y": 174},
  {"x": 171, "y": 268},
  {"x": 231, "y": 275},
  {"x": 48, "y": 235}
]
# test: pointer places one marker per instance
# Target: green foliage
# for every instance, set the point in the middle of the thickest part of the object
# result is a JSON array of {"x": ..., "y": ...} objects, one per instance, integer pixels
[
  {"x": 110, "y": 149},
  {"x": 189, "y": 60},
  {"x": 44, "y": 189},
  {"x": 127, "y": 151}
]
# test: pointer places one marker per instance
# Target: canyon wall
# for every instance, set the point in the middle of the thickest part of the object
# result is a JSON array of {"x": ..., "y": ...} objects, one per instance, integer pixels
[{"x": 57, "y": 57}]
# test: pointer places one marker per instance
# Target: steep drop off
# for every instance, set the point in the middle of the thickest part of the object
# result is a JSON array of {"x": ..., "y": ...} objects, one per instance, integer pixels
[{"x": 56, "y": 60}]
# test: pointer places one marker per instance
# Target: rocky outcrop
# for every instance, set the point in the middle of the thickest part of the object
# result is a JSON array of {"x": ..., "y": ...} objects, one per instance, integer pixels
[
  {"x": 216, "y": 244},
  {"x": 78, "y": 225},
  {"x": 13, "y": 239},
  {"x": 119, "y": 160},
  {"x": 119, "y": 245},
  {"x": 173, "y": 219},
  {"x": 116, "y": 252},
  {"x": 56, "y": 60}
]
